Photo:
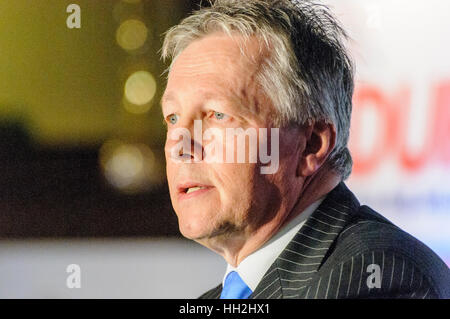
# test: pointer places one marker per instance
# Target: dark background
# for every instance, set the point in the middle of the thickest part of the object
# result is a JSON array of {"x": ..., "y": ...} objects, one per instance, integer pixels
[{"x": 54, "y": 187}]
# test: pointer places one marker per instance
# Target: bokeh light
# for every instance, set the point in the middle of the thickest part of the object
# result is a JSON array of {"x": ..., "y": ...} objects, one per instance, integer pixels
[
  {"x": 129, "y": 168},
  {"x": 140, "y": 88},
  {"x": 131, "y": 34}
]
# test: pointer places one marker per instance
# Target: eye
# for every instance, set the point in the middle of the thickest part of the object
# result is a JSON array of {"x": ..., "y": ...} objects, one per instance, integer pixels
[
  {"x": 172, "y": 119},
  {"x": 219, "y": 115}
]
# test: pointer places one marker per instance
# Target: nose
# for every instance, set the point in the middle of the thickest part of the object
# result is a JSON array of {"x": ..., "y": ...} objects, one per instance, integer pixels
[
  {"x": 184, "y": 145},
  {"x": 191, "y": 152}
]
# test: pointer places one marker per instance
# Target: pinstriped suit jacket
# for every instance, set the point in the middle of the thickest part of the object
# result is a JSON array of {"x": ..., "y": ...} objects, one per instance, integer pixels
[{"x": 330, "y": 257}]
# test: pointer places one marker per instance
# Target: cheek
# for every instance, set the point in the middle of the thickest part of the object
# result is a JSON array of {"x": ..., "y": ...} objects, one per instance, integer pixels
[
  {"x": 235, "y": 183},
  {"x": 170, "y": 172},
  {"x": 169, "y": 148}
]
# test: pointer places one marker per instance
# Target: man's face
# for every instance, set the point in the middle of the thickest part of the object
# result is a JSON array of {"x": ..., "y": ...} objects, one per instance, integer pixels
[{"x": 212, "y": 82}]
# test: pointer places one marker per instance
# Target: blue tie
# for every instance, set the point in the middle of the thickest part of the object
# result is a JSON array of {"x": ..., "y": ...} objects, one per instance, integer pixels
[{"x": 235, "y": 287}]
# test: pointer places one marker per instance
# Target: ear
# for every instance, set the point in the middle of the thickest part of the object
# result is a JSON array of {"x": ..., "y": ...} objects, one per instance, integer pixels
[{"x": 320, "y": 140}]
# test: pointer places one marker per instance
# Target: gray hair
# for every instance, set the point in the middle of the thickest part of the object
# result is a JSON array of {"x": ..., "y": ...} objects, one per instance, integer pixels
[{"x": 308, "y": 75}]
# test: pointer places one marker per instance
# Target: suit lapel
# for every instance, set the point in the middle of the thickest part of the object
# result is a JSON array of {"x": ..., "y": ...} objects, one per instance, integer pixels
[{"x": 289, "y": 275}]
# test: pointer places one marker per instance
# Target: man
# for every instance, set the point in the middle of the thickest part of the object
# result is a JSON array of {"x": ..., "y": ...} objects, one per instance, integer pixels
[{"x": 293, "y": 230}]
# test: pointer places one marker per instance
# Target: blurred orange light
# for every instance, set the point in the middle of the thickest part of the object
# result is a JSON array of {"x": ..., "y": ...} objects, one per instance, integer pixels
[
  {"x": 140, "y": 88},
  {"x": 128, "y": 167},
  {"x": 131, "y": 34}
]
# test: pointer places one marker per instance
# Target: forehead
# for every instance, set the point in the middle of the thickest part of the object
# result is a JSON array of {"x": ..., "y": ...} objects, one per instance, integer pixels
[
  {"x": 219, "y": 68},
  {"x": 212, "y": 52},
  {"x": 216, "y": 59}
]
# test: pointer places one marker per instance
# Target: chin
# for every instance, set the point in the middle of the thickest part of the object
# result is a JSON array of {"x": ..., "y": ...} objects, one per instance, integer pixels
[
  {"x": 193, "y": 233},
  {"x": 193, "y": 226}
]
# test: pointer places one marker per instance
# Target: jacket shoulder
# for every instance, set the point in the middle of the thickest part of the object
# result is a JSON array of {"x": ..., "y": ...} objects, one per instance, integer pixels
[
  {"x": 370, "y": 235},
  {"x": 213, "y": 293}
]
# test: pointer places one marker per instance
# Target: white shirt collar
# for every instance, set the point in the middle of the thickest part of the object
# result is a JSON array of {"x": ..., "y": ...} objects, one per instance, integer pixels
[{"x": 254, "y": 266}]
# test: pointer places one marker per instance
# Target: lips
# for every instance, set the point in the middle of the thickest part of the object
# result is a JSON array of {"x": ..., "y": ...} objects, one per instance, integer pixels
[{"x": 192, "y": 189}]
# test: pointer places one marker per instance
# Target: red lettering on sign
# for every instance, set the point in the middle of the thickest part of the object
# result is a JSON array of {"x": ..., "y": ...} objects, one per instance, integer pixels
[
  {"x": 385, "y": 135},
  {"x": 410, "y": 162},
  {"x": 391, "y": 135},
  {"x": 442, "y": 122}
]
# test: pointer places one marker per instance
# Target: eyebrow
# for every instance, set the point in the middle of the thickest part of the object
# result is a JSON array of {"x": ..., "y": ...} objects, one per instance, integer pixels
[
  {"x": 170, "y": 96},
  {"x": 208, "y": 99}
]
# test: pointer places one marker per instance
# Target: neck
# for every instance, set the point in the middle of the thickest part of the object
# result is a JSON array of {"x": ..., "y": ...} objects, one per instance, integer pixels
[{"x": 237, "y": 246}]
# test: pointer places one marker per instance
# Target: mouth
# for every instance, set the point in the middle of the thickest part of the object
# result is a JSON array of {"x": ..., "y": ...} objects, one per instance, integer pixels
[{"x": 189, "y": 190}]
